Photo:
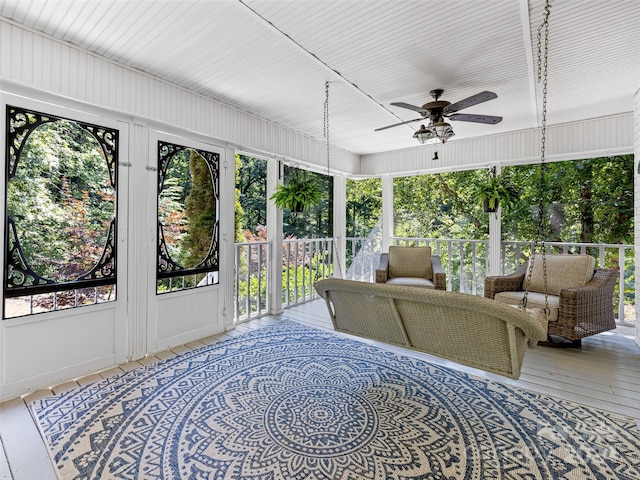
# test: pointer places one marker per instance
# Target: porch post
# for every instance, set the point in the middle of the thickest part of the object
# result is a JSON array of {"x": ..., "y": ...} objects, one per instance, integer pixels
[
  {"x": 387, "y": 212},
  {"x": 340, "y": 226},
  {"x": 636, "y": 203},
  {"x": 275, "y": 170},
  {"x": 495, "y": 238}
]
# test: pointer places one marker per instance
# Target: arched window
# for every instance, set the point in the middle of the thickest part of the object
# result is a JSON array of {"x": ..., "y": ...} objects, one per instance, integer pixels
[
  {"x": 188, "y": 218},
  {"x": 61, "y": 191}
]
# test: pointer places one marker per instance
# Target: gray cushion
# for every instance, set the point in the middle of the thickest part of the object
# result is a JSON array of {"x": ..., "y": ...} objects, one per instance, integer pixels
[
  {"x": 411, "y": 282},
  {"x": 563, "y": 271}
]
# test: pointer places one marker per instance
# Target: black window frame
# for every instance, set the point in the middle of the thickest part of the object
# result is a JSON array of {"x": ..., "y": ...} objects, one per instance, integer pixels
[{"x": 19, "y": 278}]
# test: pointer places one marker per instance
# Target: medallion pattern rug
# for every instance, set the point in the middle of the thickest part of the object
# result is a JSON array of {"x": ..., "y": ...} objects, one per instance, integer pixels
[{"x": 291, "y": 402}]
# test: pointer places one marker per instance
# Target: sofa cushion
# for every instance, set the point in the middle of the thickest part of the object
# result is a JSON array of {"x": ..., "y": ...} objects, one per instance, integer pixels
[
  {"x": 410, "y": 262},
  {"x": 563, "y": 271},
  {"x": 411, "y": 282},
  {"x": 534, "y": 300}
]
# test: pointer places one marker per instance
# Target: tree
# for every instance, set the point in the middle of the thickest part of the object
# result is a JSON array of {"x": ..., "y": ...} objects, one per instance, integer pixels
[
  {"x": 200, "y": 210},
  {"x": 364, "y": 206}
]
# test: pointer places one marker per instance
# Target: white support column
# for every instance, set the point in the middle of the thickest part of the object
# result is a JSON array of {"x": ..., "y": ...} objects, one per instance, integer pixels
[
  {"x": 227, "y": 231},
  {"x": 495, "y": 239},
  {"x": 636, "y": 204},
  {"x": 275, "y": 171},
  {"x": 141, "y": 237},
  {"x": 387, "y": 212},
  {"x": 340, "y": 226}
]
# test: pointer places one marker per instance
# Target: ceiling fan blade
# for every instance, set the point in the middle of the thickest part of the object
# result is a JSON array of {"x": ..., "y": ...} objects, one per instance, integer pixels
[
  {"x": 471, "y": 117},
  {"x": 471, "y": 101},
  {"x": 396, "y": 124},
  {"x": 410, "y": 107}
]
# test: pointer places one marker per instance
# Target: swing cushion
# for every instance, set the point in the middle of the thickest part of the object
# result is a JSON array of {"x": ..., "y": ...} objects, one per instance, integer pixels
[
  {"x": 563, "y": 271},
  {"x": 534, "y": 300},
  {"x": 583, "y": 294}
]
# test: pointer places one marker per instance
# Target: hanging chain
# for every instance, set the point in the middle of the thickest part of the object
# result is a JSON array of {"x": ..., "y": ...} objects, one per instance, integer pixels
[
  {"x": 326, "y": 136},
  {"x": 539, "y": 241},
  {"x": 326, "y": 125}
]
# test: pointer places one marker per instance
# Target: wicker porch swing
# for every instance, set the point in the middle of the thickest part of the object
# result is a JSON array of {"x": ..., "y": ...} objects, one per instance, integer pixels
[{"x": 575, "y": 297}]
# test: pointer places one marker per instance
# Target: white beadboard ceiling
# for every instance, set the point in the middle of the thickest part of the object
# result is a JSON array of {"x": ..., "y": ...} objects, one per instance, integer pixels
[{"x": 271, "y": 58}]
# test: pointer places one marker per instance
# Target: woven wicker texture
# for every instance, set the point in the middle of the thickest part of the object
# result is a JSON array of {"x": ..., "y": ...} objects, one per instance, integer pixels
[
  {"x": 438, "y": 278},
  {"x": 582, "y": 311},
  {"x": 466, "y": 329}
]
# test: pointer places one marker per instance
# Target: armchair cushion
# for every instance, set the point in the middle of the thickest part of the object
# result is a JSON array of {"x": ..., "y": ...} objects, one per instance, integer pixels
[
  {"x": 411, "y": 282},
  {"x": 563, "y": 271},
  {"x": 410, "y": 262}
]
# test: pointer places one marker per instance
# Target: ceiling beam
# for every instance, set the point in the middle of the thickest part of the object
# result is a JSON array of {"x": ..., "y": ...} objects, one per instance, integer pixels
[{"x": 525, "y": 21}]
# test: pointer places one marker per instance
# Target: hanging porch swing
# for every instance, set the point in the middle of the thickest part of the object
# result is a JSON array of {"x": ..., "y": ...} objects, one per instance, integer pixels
[{"x": 576, "y": 298}]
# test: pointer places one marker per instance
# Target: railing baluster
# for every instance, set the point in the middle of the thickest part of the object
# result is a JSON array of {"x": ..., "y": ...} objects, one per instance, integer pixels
[
  {"x": 299, "y": 253},
  {"x": 621, "y": 282},
  {"x": 259, "y": 274},
  {"x": 473, "y": 268},
  {"x": 236, "y": 282}
]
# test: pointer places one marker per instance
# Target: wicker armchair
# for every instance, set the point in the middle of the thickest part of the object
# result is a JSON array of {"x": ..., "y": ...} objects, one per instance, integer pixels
[
  {"x": 577, "y": 309},
  {"x": 411, "y": 267}
]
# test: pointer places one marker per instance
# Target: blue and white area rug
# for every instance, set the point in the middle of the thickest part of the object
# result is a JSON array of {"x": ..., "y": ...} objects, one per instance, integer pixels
[{"x": 290, "y": 402}]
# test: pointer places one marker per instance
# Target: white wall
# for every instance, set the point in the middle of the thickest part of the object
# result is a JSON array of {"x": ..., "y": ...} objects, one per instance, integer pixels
[
  {"x": 637, "y": 206},
  {"x": 30, "y": 59},
  {"x": 586, "y": 139}
]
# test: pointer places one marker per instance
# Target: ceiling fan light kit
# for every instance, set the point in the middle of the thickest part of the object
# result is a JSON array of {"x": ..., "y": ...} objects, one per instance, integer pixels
[
  {"x": 437, "y": 110},
  {"x": 439, "y": 130}
]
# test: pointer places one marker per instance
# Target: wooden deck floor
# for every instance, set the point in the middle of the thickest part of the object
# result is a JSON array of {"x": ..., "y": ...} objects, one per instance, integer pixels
[{"x": 604, "y": 373}]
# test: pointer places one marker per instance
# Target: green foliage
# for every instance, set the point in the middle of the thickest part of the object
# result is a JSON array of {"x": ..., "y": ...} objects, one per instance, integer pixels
[
  {"x": 61, "y": 200},
  {"x": 495, "y": 189},
  {"x": 316, "y": 221},
  {"x": 588, "y": 201},
  {"x": 238, "y": 208},
  {"x": 364, "y": 206},
  {"x": 299, "y": 193},
  {"x": 251, "y": 183},
  {"x": 251, "y": 190},
  {"x": 440, "y": 205},
  {"x": 200, "y": 210}
]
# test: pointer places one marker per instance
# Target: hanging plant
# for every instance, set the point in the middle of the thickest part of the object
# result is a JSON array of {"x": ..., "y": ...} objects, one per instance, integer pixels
[
  {"x": 494, "y": 192},
  {"x": 299, "y": 193}
]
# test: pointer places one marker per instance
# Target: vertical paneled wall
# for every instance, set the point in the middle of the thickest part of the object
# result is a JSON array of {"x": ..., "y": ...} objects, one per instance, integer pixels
[
  {"x": 589, "y": 138},
  {"x": 33, "y": 60},
  {"x": 637, "y": 206}
]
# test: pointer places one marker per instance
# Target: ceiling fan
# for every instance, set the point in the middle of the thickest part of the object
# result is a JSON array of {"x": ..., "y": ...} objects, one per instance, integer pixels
[{"x": 437, "y": 110}]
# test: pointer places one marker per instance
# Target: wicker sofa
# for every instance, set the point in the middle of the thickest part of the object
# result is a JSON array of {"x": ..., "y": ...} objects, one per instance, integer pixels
[
  {"x": 580, "y": 297},
  {"x": 466, "y": 329},
  {"x": 411, "y": 266}
]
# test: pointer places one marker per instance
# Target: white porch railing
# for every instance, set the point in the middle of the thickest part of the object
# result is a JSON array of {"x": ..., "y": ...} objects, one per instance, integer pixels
[
  {"x": 251, "y": 280},
  {"x": 305, "y": 261}
]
